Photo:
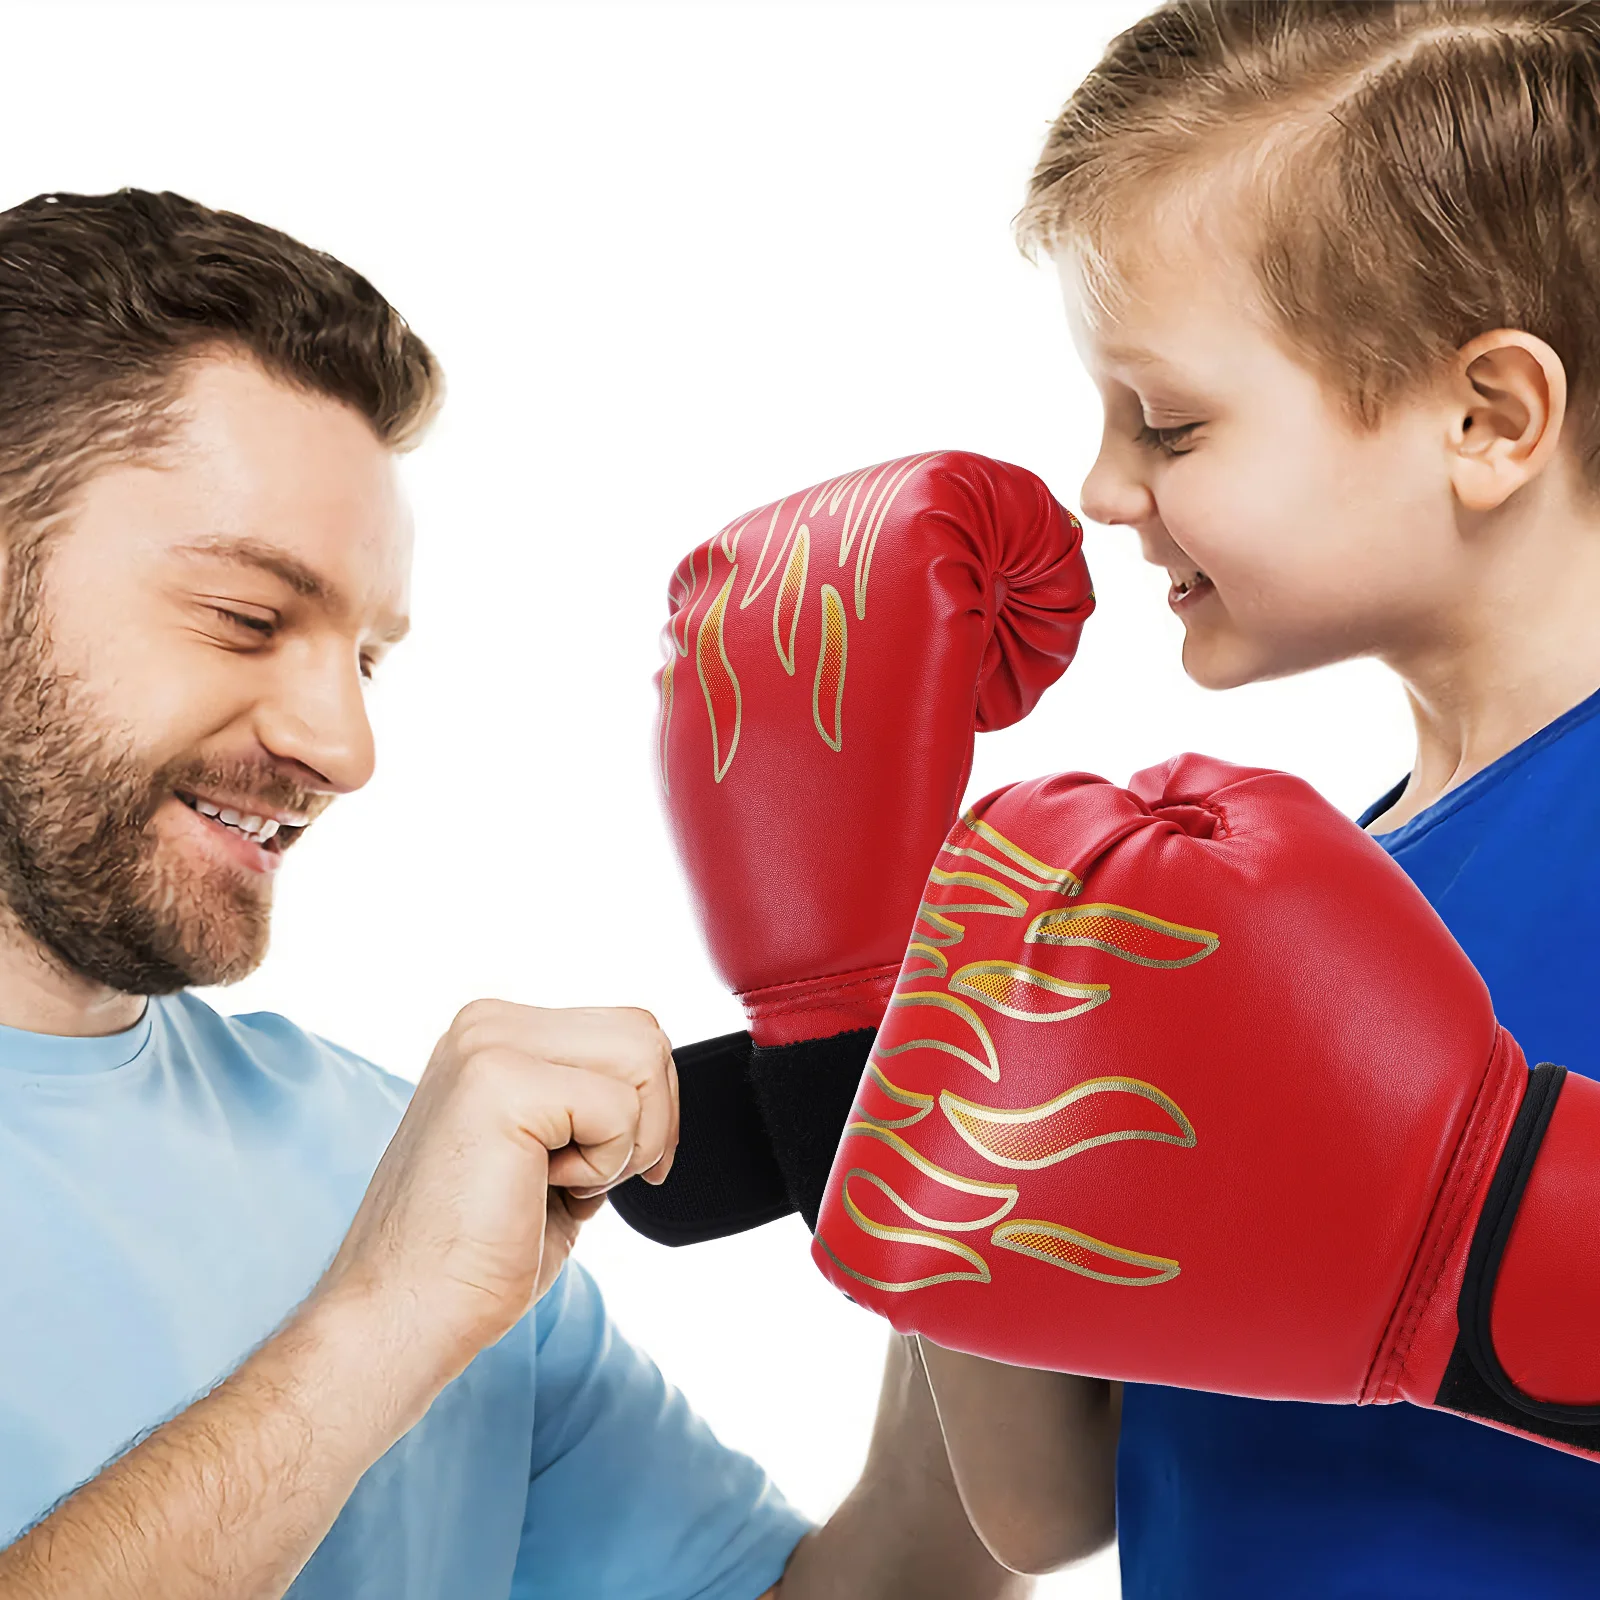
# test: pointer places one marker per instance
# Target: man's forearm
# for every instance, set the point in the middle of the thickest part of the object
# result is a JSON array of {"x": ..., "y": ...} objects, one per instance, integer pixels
[
  {"x": 228, "y": 1500},
  {"x": 901, "y": 1533}
]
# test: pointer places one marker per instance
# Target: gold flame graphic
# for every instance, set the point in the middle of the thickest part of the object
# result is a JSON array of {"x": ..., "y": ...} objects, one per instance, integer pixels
[
  {"x": 1087, "y": 1116},
  {"x": 858, "y": 506}
]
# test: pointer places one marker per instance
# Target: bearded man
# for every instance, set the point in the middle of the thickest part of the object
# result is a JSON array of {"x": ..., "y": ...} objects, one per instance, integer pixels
[{"x": 204, "y": 553}]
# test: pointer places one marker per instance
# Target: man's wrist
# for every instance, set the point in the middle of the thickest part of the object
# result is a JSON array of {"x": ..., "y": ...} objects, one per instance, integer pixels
[{"x": 355, "y": 1366}]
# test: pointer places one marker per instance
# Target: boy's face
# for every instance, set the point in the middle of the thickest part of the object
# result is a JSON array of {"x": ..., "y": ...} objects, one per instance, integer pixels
[{"x": 1292, "y": 538}]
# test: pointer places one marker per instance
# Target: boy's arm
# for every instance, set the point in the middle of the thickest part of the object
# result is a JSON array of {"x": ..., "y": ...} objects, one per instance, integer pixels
[
  {"x": 901, "y": 1533},
  {"x": 1034, "y": 1456}
]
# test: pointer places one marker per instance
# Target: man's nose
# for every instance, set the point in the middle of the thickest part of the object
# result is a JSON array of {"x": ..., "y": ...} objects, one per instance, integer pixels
[{"x": 317, "y": 718}]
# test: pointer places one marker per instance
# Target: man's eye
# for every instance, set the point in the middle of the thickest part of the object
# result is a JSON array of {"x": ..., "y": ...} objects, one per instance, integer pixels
[
  {"x": 1167, "y": 440},
  {"x": 265, "y": 626}
]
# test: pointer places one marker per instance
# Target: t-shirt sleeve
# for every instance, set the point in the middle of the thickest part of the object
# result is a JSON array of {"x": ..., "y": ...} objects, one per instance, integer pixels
[{"x": 631, "y": 1496}]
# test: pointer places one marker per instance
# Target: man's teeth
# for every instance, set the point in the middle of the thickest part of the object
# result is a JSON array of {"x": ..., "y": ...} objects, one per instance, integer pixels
[{"x": 259, "y": 828}]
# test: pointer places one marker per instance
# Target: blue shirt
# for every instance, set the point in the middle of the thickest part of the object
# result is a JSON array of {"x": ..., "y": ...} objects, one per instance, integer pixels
[
  {"x": 169, "y": 1194},
  {"x": 1218, "y": 1496}
]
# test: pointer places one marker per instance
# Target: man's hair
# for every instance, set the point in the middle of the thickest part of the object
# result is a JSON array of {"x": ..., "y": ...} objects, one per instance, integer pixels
[
  {"x": 105, "y": 300},
  {"x": 1413, "y": 172}
]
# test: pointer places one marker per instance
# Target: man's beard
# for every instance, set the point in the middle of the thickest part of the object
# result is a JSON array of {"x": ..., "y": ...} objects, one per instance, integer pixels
[{"x": 82, "y": 871}]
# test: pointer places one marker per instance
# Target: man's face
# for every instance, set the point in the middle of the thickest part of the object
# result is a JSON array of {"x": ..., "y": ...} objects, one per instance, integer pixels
[
  {"x": 1292, "y": 538},
  {"x": 188, "y": 693}
]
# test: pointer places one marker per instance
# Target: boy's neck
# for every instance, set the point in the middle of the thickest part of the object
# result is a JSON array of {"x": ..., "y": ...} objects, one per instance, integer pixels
[{"x": 1521, "y": 647}]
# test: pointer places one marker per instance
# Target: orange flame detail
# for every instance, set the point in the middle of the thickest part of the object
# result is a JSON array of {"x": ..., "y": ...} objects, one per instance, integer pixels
[
  {"x": 791, "y": 591},
  {"x": 827, "y": 694}
]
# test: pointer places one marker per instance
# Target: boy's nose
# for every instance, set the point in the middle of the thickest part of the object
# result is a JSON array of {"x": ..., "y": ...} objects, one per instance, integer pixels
[{"x": 1113, "y": 493}]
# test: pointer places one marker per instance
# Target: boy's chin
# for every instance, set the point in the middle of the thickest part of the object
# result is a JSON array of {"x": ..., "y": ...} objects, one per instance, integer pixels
[{"x": 1226, "y": 662}]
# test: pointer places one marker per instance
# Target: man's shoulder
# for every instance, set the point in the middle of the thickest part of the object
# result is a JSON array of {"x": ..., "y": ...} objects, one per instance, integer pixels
[{"x": 271, "y": 1049}]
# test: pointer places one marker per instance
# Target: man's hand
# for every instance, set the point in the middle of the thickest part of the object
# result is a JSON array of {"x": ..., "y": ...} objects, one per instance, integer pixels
[{"x": 522, "y": 1121}]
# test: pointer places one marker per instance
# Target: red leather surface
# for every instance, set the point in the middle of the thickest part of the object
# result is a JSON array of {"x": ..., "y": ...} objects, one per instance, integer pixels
[
  {"x": 1546, "y": 1316},
  {"x": 1182, "y": 1121},
  {"x": 828, "y": 658}
]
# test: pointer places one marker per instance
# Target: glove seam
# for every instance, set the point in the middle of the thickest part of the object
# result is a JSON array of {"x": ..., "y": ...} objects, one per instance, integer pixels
[
  {"x": 1463, "y": 1178},
  {"x": 845, "y": 980},
  {"x": 1223, "y": 829},
  {"x": 1442, "y": 1242},
  {"x": 798, "y": 1008}
]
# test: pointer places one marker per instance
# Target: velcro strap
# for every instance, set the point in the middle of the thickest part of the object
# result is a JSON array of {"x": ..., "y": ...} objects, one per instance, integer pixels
[
  {"x": 805, "y": 1091},
  {"x": 757, "y": 1133},
  {"x": 723, "y": 1178},
  {"x": 1475, "y": 1382}
]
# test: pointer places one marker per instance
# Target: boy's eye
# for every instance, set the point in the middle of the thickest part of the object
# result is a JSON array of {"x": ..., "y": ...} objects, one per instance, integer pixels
[{"x": 1167, "y": 440}]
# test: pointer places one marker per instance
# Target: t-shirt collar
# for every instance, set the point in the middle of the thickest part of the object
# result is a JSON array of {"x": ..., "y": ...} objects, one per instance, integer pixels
[
  {"x": 1464, "y": 794},
  {"x": 54, "y": 1054}
]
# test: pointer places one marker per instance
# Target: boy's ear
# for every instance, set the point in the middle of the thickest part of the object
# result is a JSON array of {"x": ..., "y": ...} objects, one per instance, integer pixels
[{"x": 1509, "y": 402}]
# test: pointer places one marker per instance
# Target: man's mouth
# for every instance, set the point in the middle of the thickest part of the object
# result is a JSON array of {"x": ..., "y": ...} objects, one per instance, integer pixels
[{"x": 273, "y": 832}]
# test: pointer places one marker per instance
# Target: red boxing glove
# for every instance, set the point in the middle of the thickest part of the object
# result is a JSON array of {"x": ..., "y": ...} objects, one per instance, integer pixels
[
  {"x": 1187, "y": 1084},
  {"x": 828, "y": 660}
]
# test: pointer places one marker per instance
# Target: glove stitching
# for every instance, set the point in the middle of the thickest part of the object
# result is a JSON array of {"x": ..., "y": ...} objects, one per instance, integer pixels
[
  {"x": 1417, "y": 1291},
  {"x": 757, "y": 997},
  {"x": 1444, "y": 1236},
  {"x": 1452, "y": 1209},
  {"x": 797, "y": 1009}
]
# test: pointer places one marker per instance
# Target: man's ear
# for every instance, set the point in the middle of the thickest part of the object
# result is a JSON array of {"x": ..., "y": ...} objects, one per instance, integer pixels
[{"x": 1508, "y": 405}]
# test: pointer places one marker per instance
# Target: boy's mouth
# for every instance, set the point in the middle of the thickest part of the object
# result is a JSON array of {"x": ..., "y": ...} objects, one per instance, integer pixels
[{"x": 1187, "y": 587}]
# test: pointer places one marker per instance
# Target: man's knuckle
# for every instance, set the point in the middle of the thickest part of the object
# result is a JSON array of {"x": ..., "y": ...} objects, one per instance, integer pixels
[
  {"x": 488, "y": 1070},
  {"x": 475, "y": 1015}
]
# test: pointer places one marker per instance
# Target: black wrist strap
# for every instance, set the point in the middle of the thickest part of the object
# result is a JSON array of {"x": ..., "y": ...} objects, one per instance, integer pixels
[
  {"x": 757, "y": 1129},
  {"x": 805, "y": 1092},
  {"x": 723, "y": 1178},
  {"x": 1475, "y": 1382}
]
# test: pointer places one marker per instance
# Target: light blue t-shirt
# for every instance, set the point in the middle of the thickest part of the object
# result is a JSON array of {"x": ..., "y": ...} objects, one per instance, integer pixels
[{"x": 169, "y": 1194}]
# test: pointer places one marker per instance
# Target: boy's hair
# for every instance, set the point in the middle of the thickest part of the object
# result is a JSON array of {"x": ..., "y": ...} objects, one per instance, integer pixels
[
  {"x": 1418, "y": 172},
  {"x": 105, "y": 300}
]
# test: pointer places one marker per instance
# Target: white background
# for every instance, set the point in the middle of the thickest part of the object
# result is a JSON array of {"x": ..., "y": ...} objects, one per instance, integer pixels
[{"x": 677, "y": 260}]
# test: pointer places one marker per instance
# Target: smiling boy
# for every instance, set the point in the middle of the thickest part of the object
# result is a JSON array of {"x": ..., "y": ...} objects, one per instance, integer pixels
[{"x": 1332, "y": 268}]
